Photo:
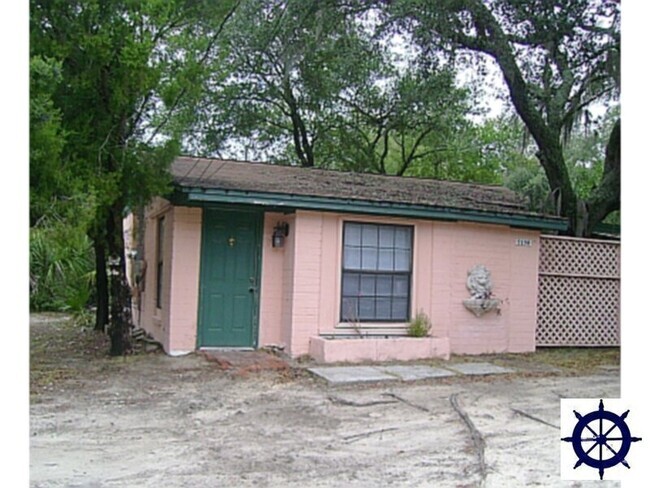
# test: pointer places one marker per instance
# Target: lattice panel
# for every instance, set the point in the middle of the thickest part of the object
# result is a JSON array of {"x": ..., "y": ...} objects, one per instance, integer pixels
[
  {"x": 579, "y": 257},
  {"x": 578, "y": 312},
  {"x": 579, "y": 293}
]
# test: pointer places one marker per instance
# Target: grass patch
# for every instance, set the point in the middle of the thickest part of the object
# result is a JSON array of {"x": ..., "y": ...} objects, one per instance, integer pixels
[
  {"x": 571, "y": 360},
  {"x": 583, "y": 359}
]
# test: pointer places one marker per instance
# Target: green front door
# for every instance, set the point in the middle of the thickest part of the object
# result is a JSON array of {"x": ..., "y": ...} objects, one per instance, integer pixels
[{"x": 230, "y": 268}]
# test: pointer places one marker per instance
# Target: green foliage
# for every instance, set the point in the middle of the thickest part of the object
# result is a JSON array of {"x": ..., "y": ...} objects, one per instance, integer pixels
[
  {"x": 125, "y": 76},
  {"x": 307, "y": 83},
  {"x": 84, "y": 318},
  {"x": 473, "y": 152},
  {"x": 61, "y": 267},
  {"x": 420, "y": 326},
  {"x": 114, "y": 83},
  {"x": 530, "y": 181},
  {"x": 47, "y": 181},
  {"x": 107, "y": 63},
  {"x": 284, "y": 70},
  {"x": 318, "y": 84},
  {"x": 584, "y": 153},
  {"x": 558, "y": 59},
  {"x": 405, "y": 126}
]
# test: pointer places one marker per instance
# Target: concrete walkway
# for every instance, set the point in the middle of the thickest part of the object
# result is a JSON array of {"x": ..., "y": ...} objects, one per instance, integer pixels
[{"x": 343, "y": 375}]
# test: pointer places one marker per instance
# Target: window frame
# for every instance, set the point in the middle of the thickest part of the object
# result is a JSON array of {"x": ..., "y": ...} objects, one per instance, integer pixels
[
  {"x": 361, "y": 272},
  {"x": 160, "y": 244}
]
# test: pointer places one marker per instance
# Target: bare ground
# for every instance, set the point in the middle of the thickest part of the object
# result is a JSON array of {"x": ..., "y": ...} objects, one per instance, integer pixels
[{"x": 153, "y": 421}]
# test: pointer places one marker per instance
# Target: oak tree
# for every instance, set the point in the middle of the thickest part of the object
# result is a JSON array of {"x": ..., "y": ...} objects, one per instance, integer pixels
[{"x": 557, "y": 60}]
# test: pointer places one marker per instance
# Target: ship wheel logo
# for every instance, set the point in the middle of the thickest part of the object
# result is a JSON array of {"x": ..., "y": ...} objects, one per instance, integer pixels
[{"x": 601, "y": 439}]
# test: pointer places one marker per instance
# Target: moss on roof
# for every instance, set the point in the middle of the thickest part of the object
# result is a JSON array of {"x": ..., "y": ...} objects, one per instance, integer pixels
[{"x": 246, "y": 176}]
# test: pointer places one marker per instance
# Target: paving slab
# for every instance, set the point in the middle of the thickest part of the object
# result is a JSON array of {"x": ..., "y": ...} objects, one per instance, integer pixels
[
  {"x": 416, "y": 372},
  {"x": 341, "y": 375},
  {"x": 478, "y": 368}
]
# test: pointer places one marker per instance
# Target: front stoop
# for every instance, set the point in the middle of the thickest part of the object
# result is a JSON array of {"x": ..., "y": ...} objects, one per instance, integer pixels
[{"x": 364, "y": 349}]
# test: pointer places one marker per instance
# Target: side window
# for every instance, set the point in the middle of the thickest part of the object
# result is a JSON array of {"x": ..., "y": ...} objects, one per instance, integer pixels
[
  {"x": 377, "y": 267},
  {"x": 160, "y": 239}
]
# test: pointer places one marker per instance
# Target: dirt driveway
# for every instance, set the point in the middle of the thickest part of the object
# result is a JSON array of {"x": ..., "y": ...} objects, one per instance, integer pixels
[{"x": 154, "y": 421}]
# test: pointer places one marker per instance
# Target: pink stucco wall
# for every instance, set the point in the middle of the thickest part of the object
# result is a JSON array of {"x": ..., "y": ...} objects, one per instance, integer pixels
[
  {"x": 151, "y": 318},
  {"x": 457, "y": 248},
  {"x": 276, "y": 292},
  {"x": 300, "y": 282},
  {"x": 174, "y": 323},
  {"x": 289, "y": 278},
  {"x": 443, "y": 252},
  {"x": 381, "y": 349},
  {"x": 185, "y": 270}
]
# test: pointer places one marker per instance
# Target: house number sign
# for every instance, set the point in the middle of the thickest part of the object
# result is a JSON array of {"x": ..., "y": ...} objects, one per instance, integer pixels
[{"x": 524, "y": 242}]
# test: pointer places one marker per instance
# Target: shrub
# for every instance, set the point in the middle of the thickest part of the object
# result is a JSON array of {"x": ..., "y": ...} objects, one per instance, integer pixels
[
  {"x": 61, "y": 267},
  {"x": 420, "y": 326}
]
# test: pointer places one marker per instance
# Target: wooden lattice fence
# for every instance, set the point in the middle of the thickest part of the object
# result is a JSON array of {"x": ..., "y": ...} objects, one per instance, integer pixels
[{"x": 579, "y": 292}]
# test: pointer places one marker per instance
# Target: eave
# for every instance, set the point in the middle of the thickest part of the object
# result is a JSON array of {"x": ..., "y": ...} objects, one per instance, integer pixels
[{"x": 195, "y": 196}]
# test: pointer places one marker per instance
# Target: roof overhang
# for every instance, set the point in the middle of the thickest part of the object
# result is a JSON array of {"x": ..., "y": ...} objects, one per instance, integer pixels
[{"x": 195, "y": 196}]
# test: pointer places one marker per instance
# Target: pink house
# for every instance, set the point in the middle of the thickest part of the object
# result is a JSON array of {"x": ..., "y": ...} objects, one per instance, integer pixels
[{"x": 335, "y": 265}]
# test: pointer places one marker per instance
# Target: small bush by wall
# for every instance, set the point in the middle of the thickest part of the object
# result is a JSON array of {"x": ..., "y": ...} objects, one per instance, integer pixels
[{"x": 420, "y": 326}]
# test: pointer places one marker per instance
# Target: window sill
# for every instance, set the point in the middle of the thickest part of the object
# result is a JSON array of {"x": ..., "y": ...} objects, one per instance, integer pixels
[
  {"x": 371, "y": 329},
  {"x": 372, "y": 325}
]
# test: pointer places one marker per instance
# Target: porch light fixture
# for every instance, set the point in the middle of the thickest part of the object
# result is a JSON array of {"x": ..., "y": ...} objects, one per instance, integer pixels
[{"x": 280, "y": 231}]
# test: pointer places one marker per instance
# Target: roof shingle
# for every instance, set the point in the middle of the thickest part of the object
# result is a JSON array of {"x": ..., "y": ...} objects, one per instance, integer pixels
[{"x": 291, "y": 180}]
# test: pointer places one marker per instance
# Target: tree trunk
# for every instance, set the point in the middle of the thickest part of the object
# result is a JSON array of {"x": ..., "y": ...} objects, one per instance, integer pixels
[
  {"x": 101, "y": 286},
  {"x": 551, "y": 158},
  {"x": 491, "y": 40},
  {"x": 606, "y": 198},
  {"x": 301, "y": 142},
  {"x": 120, "y": 325}
]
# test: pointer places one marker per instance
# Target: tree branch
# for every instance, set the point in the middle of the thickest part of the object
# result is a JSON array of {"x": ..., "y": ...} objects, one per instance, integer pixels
[{"x": 203, "y": 58}]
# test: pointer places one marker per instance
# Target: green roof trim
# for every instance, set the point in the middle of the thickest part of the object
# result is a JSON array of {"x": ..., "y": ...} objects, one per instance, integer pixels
[{"x": 193, "y": 196}]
